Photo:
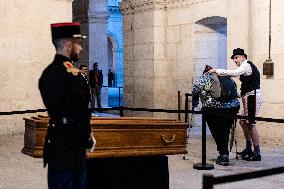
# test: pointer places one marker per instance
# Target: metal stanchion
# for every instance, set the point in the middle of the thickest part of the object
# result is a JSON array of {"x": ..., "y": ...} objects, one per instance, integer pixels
[
  {"x": 179, "y": 104},
  {"x": 186, "y": 117},
  {"x": 186, "y": 107},
  {"x": 203, "y": 165},
  {"x": 119, "y": 105},
  {"x": 208, "y": 181}
]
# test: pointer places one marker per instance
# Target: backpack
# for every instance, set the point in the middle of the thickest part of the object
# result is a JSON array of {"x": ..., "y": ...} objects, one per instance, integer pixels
[{"x": 223, "y": 88}]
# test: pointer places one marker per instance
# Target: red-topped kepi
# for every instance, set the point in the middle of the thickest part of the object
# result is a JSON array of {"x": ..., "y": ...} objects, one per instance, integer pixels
[{"x": 66, "y": 30}]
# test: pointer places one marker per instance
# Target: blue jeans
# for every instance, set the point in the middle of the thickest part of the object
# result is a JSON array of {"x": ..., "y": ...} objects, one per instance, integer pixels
[{"x": 66, "y": 179}]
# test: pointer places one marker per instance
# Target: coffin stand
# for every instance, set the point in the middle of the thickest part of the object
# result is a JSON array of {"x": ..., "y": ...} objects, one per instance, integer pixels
[{"x": 130, "y": 151}]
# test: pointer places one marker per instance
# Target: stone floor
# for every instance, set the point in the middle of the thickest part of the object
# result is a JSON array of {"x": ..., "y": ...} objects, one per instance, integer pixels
[{"x": 18, "y": 171}]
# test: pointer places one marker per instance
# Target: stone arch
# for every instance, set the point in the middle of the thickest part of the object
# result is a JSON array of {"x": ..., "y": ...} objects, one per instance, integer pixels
[
  {"x": 115, "y": 57},
  {"x": 112, "y": 43},
  {"x": 114, "y": 40},
  {"x": 210, "y": 43}
]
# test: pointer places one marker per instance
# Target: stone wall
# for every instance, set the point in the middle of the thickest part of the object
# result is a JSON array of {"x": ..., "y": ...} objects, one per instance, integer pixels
[
  {"x": 26, "y": 49},
  {"x": 160, "y": 49}
]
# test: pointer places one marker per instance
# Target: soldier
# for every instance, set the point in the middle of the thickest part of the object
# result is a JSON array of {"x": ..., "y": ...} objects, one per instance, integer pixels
[
  {"x": 84, "y": 72},
  {"x": 85, "y": 81},
  {"x": 69, "y": 133}
]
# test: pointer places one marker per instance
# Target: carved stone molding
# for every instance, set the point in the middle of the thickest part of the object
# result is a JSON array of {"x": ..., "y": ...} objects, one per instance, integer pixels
[
  {"x": 114, "y": 9},
  {"x": 131, "y": 6},
  {"x": 177, "y": 4},
  {"x": 98, "y": 17}
]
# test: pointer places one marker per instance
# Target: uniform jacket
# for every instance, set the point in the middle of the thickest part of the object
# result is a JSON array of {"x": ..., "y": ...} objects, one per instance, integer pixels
[
  {"x": 86, "y": 86},
  {"x": 64, "y": 96}
]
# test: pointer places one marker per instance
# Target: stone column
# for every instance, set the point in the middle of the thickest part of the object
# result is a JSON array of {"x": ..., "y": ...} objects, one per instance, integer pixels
[
  {"x": 271, "y": 87},
  {"x": 98, "y": 49},
  {"x": 144, "y": 47},
  {"x": 80, "y": 14},
  {"x": 163, "y": 80}
]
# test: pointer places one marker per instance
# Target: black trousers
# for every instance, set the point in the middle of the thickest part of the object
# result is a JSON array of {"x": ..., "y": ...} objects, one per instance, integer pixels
[
  {"x": 220, "y": 125},
  {"x": 66, "y": 179}
]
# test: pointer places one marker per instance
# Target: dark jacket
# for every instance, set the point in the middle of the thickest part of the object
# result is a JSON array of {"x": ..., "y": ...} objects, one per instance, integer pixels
[
  {"x": 250, "y": 82},
  {"x": 201, "y": 89},
  {"x": 93, "y": 84},
  {"x": 64, "y": 96}
]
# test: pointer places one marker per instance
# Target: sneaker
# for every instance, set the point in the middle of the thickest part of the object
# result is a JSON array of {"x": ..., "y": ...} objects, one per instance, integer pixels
[
  {"x": 223, "y": 160},
  {"x": 254, "y": 157},
  {"x": 245, "y": 153}
]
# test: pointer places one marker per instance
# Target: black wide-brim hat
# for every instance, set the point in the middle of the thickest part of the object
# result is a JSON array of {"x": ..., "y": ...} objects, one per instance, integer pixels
[
  {"x": 238, "y": 51},
  {"x": 66, "y": 30}
]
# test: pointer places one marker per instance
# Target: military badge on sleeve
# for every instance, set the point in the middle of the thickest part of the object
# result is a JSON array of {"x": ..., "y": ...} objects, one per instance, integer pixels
[{"x": 70, "y": 68}]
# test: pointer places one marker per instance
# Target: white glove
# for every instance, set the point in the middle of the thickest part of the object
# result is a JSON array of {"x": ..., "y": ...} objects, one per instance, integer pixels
[{"x": 94, "y": 142}]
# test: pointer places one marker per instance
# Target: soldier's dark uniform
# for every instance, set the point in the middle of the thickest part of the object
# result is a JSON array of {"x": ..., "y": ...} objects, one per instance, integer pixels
[{"x": 64, "y": 96}]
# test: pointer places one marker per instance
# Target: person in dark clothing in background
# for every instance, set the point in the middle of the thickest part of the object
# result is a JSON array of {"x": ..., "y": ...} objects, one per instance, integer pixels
[
  {"x": 96, "y": 83},
  {"x": 110, "y": 78},
  {"x": 85, "y": 81},
  {"x": 84, "y": 72},
  {"x": 214, "y": 111},
  {"x": 69, "y": 133}
]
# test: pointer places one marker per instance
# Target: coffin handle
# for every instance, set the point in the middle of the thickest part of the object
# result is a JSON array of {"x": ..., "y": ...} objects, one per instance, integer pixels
[{"x": 168, "y": 141}]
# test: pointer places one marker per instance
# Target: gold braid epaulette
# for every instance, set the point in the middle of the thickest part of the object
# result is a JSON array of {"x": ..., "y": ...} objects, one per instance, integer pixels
[{"x": 70, "y": 68}]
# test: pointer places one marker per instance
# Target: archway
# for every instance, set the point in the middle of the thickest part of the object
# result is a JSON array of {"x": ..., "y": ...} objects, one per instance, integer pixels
[
  {"x": 210, "y": 47},
  {"x": 210, "y": 44},
  {"x": 111, "y": 55},
  {"x": 113, "y": 91}
]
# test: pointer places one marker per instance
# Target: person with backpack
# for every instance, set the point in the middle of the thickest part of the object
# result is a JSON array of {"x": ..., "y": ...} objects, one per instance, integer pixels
[
  {"x": 220, "y": 105},
  {"x": 251, "y": 98}
]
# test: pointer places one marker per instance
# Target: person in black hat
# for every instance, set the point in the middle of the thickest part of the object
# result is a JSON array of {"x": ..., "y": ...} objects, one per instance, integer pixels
[
  {"x": 252, "y": 99},
  {"x": 69, "y": 133}
]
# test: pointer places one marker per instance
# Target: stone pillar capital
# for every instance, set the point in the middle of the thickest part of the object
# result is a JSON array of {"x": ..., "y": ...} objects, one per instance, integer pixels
[{"x": 98, "y": 17}]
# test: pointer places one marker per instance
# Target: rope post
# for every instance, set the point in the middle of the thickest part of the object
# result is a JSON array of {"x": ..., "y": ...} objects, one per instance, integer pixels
[
  {"x": 119, "y": 105},
  {"x": 179, "y": 105},
  {"x": 208, "y": 181},
  {"x": 186, "y": 107},
  {"x": 203, "y": 165}
]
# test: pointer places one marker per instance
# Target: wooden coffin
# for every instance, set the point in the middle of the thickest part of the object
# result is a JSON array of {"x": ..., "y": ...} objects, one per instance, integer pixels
[{"x": 118, "y": 137}]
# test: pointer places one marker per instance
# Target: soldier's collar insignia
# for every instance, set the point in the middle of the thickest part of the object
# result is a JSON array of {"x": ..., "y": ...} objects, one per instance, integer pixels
[{"x": 70, "y": 68}]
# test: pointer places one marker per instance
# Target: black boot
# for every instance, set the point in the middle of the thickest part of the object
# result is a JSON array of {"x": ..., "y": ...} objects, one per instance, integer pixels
[
  {"x": 245, "y": 153},
  {"x": 223, "y": 160},
  {"x": 254, "y": 157}
]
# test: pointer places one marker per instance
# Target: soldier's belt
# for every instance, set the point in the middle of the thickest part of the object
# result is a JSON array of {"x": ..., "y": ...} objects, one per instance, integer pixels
[{"x": 62, "y": 121}]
